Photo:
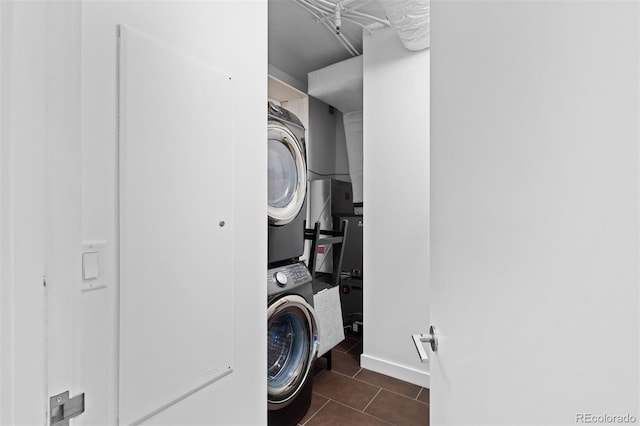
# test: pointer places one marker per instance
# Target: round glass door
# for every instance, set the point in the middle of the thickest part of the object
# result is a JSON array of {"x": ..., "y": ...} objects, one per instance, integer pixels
[
  {"x": 283, "y": 175},
  {"x": 291, "y": 347},
  {"x": 287, "y": 174}
]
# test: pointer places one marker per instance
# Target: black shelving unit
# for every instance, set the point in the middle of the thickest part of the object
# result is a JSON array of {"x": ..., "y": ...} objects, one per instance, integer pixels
[{"x": 321, "y": 237}]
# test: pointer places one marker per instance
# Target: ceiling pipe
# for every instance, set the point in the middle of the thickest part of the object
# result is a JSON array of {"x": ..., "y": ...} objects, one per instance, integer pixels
[
  {"x": 353, "y": 21},
  {"x": 341, "y": 38},
  {"x": 410, "y": 18},
  {"x": 352, "y": 14},
  {"x": 314, "y": 7},
  {"x": 327, "y": 6},
  {"x": 371, "y": 17}
]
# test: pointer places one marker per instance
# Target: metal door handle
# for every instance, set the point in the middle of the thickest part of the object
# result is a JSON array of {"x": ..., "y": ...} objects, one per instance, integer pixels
[
  {"x": 419, "y": 339},
  {"x": 62, "y": 408}
]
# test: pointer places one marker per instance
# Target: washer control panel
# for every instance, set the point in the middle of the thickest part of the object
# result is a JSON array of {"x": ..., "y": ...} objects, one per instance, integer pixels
[
  {"x": 281, "y": 278},
  {"x": 288, "y": 275}
]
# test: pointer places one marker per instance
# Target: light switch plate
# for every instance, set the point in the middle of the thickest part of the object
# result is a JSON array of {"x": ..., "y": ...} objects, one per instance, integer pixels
[
  {"x": 90, "y": 265},
  {"x": 93, "y": 271}
]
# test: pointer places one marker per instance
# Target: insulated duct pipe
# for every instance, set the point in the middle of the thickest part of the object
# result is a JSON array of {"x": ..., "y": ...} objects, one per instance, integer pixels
[{"x": 410, "y": 18}]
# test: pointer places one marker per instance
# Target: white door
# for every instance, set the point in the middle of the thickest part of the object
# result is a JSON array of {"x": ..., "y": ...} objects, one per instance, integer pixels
[
  {"x": 535, "y": 211},
  {"x": 63, "y": 289},
  {"x": 40, "y": 209}
]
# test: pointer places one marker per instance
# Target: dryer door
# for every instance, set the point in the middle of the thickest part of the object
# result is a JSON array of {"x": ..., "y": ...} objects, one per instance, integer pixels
[
  {"x": 287, "y": 179},
  {"x": 292, "y": 343}
]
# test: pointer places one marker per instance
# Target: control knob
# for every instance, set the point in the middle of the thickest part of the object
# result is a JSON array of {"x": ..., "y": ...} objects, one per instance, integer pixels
[{"x": 281, "y": 278}]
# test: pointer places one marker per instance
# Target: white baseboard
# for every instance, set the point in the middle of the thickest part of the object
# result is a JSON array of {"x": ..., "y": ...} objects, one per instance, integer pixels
[{"x": 402, "y": 372}]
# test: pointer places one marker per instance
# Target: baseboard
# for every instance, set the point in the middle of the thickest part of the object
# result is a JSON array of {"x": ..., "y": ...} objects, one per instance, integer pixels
[{"x": 402, "y": 372}]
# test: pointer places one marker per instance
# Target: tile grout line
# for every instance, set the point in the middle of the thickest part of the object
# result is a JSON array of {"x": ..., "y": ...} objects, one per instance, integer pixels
[
  {"x": 382, "y": 387},
  {"x": 377, "y": 386},
  {"x": 317, "y": 411},
  {"x": 362, "y": 412},
  {"x": 370, "y": 402},
  {"x": 323, "y": 395},
  {"x": 346, "y": 375},
  {"x": 374, "y": 397}
]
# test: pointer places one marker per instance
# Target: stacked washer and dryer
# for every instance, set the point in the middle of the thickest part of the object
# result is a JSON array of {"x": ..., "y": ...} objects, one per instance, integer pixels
[{"x": 292, "y": 334}]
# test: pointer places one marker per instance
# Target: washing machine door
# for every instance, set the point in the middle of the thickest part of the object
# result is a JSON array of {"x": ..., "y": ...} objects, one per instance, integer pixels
[
  {"x": 287, "y": 179},
  {"x": 292, "y": 344}
]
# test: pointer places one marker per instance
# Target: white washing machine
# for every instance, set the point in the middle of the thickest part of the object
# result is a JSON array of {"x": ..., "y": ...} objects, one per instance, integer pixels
[{"x": 292, "y": 343}]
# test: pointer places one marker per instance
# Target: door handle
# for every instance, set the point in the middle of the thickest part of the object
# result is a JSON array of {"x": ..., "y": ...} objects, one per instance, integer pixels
[
  {"x": 62, "y": 408},
  {"x": 431, "y": 338}
]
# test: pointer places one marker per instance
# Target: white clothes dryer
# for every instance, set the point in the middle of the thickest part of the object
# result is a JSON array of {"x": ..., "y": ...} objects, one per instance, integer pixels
[{"x": 287, "y": 185}]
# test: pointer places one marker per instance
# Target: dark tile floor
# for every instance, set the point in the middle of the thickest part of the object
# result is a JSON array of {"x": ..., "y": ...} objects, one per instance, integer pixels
[{"x": 348, "y": 395}]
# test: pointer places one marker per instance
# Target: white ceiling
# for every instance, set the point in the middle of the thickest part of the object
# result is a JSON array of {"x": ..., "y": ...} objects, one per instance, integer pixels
[{"x": 298, "y": 44}]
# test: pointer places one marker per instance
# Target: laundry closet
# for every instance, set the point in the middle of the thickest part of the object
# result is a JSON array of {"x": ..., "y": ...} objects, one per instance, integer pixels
[
  {"x": 133, "y": 199},
  {"x": 365, "y": 113},
  {"x": 330, "y": 195}
]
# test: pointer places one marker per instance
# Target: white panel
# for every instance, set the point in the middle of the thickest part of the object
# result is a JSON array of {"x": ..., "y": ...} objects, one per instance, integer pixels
[
  {"x": 176, "y": 280},
  {"x": 534, "y": 218},
  {"x": 396, "y": 190}
]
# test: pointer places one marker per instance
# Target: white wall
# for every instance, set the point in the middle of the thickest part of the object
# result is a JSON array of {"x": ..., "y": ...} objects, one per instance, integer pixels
[
  {"x": 322, "y": 147},
  {"x": 229, "y": 35},
  {"x": 22, "y": 167},
  {"x": 342, "y": 158},
  {"x": 396, "y": 207}
]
